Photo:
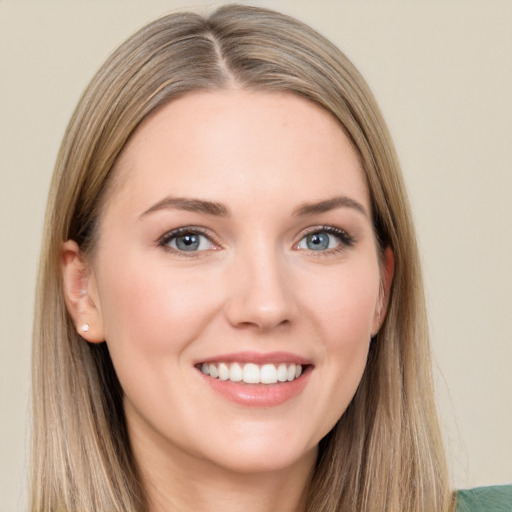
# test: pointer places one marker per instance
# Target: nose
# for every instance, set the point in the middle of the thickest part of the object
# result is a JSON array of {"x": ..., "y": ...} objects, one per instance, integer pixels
[{"x": 261, "y": 294}]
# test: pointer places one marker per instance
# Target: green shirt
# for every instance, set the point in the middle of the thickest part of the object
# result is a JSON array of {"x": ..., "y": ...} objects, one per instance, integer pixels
[{"x": 497, "y": 498}]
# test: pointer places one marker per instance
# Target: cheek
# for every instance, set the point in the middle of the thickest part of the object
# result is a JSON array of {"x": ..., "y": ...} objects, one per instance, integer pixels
[
  {"x": 150, "y": 310},
  {"x": 152, "y": 315},
  {"x": 344, "y": 303},
  {"x": 352, "y": 314},
  {"x": 343, "y": 308}
]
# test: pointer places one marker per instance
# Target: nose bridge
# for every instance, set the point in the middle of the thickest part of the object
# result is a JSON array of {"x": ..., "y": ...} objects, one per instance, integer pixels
[{"x": 261, "y": 289}]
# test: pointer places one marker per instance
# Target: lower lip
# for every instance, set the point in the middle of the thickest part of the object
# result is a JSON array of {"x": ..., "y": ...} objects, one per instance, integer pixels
[{"x": 259, "y": 395}]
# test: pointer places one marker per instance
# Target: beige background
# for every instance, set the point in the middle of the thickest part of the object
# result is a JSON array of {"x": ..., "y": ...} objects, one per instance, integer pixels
[{"x": 442, "y": 72}]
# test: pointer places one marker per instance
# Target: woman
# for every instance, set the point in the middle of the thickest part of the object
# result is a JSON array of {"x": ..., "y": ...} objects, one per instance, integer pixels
[{"x": 230, "y": 302}]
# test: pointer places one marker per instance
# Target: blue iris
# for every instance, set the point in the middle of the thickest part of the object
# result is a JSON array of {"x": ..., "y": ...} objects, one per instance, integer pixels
[
  {"x": 189, "y": 242},
  {"x": 317, "y": 241}
]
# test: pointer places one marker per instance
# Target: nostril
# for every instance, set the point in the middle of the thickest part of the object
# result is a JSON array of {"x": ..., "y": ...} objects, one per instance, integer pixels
[{"x": 248, "y": 315}]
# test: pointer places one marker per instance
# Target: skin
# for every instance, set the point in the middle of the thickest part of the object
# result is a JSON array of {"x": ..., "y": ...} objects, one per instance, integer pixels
[{"x": 255, "y": 285}]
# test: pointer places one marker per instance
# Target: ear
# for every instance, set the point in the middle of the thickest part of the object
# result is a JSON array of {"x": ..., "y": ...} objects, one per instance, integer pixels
[
  {"x": 80, "y": 293},
  {"x": 386, "y": 279}
]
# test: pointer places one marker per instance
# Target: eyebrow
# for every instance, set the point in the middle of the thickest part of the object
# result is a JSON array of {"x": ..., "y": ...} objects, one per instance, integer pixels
[
  {"x": 220, "y": 210},
  {"x": 328, "y": 205},
  {"x": 189, "y": 205}
]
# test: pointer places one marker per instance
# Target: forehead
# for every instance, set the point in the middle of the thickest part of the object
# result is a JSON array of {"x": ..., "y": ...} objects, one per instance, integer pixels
[{"x": 232, "y": 145}]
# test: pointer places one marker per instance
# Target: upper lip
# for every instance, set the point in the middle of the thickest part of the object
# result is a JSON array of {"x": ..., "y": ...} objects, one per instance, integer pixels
[{"x": 257, "y": 358}]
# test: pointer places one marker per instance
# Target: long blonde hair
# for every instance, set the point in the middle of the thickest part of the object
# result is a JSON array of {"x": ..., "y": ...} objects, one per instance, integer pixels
[{"x": 385, "y": 452}]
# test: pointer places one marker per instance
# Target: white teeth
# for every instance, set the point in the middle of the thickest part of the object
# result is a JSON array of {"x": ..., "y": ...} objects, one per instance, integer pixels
[
  {"x": 213, "y": 371},
  {"x": 268, "y": 374},
  {"x": 251, "y": 373},
  {"x": 223, "y": 371},
  {"x": 282, "y": 373},
  {"x": 235, "y": 372}
]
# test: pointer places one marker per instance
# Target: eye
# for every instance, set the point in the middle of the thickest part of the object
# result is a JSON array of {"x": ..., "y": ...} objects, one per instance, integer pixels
[
  {"x": 187, "y": 240},
  {"x": 325, "y": 239}
]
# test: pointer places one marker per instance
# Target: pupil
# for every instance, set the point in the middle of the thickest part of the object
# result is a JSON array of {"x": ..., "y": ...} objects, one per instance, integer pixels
[{"x": 318, "y": 241}]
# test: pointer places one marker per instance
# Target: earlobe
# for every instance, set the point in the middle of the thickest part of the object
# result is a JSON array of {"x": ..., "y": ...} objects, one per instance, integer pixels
[
  {"x": 386, "y": 280},
  {"x": 80, "y": 293}
]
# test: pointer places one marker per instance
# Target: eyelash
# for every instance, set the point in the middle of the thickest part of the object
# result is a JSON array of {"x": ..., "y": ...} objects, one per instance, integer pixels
[
  {"x": 346, "y": 240},
  {"x": 189, "y": 230}
]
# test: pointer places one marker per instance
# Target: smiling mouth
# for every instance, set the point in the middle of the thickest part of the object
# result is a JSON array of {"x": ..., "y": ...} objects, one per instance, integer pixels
[{"x": 251, "y": 373}]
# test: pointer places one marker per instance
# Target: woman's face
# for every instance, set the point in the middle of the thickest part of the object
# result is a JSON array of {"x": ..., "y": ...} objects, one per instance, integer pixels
[{"x": 237, "y": 239}]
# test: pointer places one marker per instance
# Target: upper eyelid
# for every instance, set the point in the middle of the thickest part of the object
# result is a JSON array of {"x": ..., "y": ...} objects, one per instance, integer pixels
[
  {"x": 325, "y": 228},
  {"x": 173, "y": 233},
  {"x": 346, "y": 240}
]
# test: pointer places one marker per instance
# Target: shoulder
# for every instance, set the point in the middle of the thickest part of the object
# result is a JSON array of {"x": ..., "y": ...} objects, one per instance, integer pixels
[{"x": 496, "y": 498}]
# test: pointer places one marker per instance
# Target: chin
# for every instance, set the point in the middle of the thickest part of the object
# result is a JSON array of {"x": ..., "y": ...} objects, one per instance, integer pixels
[{"x": 257, "y": 457}]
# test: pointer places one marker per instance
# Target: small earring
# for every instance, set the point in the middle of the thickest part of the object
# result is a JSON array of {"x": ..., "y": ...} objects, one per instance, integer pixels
[{"x": 85, "y": 327}]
